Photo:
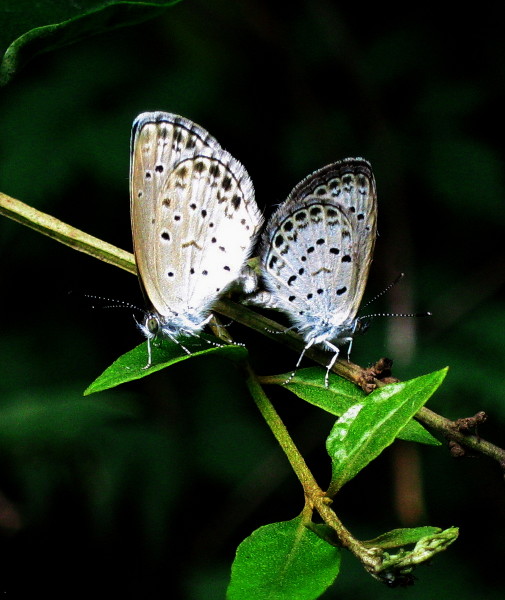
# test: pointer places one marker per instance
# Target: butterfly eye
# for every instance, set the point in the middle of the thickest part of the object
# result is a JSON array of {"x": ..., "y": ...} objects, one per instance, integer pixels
[{"x": 152, "y": 324}]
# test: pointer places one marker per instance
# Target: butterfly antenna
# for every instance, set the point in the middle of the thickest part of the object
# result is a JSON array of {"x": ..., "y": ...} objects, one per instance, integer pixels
[
  {"x": 112, "y": 303},
  {"x": 384, "y": 291},
  {"x": 420, "y": 314}
]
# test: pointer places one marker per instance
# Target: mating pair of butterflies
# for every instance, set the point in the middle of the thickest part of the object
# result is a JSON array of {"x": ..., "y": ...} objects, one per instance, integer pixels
[{"x": 195, "y": 222}]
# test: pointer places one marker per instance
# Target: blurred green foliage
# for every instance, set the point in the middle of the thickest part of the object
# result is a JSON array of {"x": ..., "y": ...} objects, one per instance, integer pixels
[{"x": 148, "y": 491}]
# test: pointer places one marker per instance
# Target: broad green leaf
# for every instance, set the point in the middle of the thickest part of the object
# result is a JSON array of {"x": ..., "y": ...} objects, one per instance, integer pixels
[
  {"x": 283, "y": 561},
  {"x": 369, "y": 426},
  {"x": 341, "y": 394},
  {"x": 29, "y": 28},
  {"x": 131, "y": 366}
]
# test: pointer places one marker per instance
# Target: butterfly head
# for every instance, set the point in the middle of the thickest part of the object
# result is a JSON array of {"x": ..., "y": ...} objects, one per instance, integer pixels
[{"x": 174, "y": 325}]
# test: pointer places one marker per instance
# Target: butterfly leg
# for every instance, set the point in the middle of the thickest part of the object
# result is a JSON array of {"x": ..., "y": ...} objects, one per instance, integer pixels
[
  {"x": 349, "y": 340},
  {"x": 149, "y": 353},
  {"x": 333, "y": 360},
  {"x": 216, "y": 325},
  {"x": 311, "y": 342}
]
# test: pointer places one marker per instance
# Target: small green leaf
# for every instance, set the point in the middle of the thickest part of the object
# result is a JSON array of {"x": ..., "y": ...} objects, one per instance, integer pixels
[
  {"x": 30, "y": 28},
  {"x": 369, "y": 426},
  {"x": 341, "y": 394},
  {"x": 283, "y": 561},
  {"x": 395, "y": 567},
  {"x": 401, "y": 537},
  {"x": 131, "y": 366}
]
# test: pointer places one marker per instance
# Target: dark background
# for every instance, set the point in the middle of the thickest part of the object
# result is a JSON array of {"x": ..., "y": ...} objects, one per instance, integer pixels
[{"x": 147, "y": 490}]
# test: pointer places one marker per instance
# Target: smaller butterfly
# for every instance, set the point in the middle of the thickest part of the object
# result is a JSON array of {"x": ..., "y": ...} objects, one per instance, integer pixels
[
  {"x": 316, "y": 252},
  {"x": 194, "y": 220}
]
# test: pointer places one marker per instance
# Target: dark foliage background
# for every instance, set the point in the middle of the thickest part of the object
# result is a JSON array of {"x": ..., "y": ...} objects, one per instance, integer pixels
[{"x": 147, "y": 490}]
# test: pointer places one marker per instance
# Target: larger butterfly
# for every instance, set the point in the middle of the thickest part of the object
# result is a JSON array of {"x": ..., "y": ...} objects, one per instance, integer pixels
[
  {"x": 194, "y": 220},
  {"x": 316, "y": 253}
]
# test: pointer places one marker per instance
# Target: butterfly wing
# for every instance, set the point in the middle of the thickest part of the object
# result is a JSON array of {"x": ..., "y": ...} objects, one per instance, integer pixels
[
  {"x": 193, "y": 213},
  {"x": 317, "y": 248}
]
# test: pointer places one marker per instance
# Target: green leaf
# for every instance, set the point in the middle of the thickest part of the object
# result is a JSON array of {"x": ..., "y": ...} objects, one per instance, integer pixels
[
  {"x": 131, "y": 366},
  {"x": 371, "y": 425},
  {"x": 401, "y": 537},
  {"x": 394, "y": 567},
  {"x": 283, "y": 561},
  {"x": 29, "y": 28},
  {"x": 341, "y": 394}
]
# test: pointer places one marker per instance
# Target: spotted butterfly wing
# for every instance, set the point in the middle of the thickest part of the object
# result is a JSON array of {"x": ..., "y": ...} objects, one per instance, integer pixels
[
  {"x": 317, "y": 249},
  {"x": 193, "y": 216}
]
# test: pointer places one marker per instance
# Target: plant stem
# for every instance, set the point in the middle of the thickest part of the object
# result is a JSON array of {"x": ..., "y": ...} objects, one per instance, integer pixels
[
  {"x": 315, "y": 497},
  {"x": 281, "y": 434},
  {"x": 66, "y": 234},
  {"x": 450, "y": 430}
]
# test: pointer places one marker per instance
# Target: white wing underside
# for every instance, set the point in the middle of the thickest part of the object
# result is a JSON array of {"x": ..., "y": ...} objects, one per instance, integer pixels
[
  {"x": 317, "y": 248},
  {"x": 193, "y": 214}
]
